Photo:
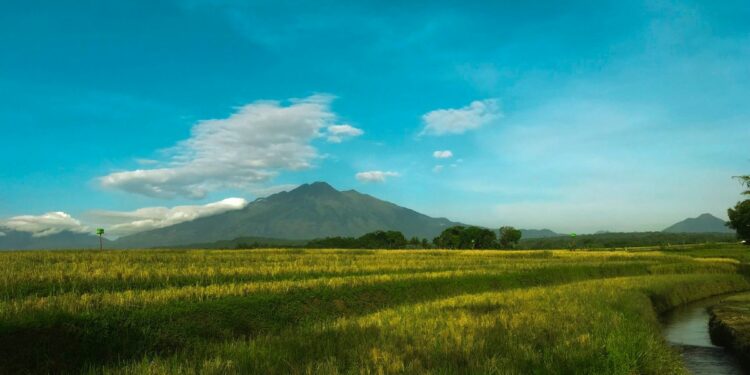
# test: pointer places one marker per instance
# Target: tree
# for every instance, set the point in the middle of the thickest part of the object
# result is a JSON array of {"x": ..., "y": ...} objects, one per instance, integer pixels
[
  {"x": 459, "y": 237},
  {"x": 382, "y": 240},
  {"x": 100, "y": 232},
  {"x": 395, "y": 239},
  {"x": 509, "y": 236},
  {"x": 739, "y": 216},
  {"x": 478, "y": 238},
  {"x": 425, "y": 244},
  {"x": 415, "y": 243},
  {"x": 450, "y": 238},
  {"x": 739, "y": 220},
  {"x": 744, "y": 180}
]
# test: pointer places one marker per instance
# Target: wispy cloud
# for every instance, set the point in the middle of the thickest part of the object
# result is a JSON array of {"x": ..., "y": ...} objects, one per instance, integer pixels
[
  {"x": 44, "y": 225},
  {"x": 122, "y": 223},
  {"x": 375, "y": 176},
  {"x": 445, "y": 154},
  {"x": 461, "y": 120},
  {"x": 146, "y": 161},
  {"x": 251, "y": 146},
  {"x": 337, "y": 133}
]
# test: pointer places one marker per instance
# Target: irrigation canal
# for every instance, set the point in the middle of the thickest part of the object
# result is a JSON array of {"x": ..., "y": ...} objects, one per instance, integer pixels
[{"x": 686, "y": 329}]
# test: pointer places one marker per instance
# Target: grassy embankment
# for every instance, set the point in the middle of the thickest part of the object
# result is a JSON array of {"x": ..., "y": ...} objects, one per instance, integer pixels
[
  {"x": 312, "y": 311},
  {"x": 730, "y": 326}
]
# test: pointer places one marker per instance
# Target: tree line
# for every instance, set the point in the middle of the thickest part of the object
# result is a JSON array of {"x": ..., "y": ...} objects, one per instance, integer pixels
[{"x": 456, "y": 237}]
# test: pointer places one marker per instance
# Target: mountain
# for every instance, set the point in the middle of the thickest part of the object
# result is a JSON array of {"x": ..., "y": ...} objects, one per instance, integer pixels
[
  {"x": 705, "y": 223},
  {"x": 538, "y": 233},
  {"x": 15, "y": 240},
  {"x": 310, "y": 211}
]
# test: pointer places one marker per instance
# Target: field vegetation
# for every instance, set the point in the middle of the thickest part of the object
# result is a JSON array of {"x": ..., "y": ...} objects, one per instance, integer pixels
[
  {"x": 730, "y": 326},
  {"x": 351, "y": 311}
]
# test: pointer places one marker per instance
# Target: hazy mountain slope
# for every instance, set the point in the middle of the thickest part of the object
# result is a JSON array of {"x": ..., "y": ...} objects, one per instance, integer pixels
[
  {"x": 309, "y": 211},
  {"x": 538, "y": 233},
  {"x": 705, "y": 223},
  {"x": 14, "y": 240}
]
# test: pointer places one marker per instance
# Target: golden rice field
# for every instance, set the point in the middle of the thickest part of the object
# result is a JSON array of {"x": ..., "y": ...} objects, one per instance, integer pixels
[{"x": 351, "y": 311}]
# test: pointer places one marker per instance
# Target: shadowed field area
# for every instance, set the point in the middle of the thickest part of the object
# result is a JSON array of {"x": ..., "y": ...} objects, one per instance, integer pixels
[{"x": 351, "y": 311}]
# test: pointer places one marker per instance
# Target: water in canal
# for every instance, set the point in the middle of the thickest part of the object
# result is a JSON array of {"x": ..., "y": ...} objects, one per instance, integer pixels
[{"x": 686, "y": 329}]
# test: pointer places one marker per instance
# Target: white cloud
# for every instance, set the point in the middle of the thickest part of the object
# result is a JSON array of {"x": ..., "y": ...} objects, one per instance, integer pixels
[
  {"x": 375, "y": 176},
  {"x": 122, "y": 223},
  {"x": 146, "y": 161},
  {"x": 44, "y": 225},
  {"x": 458, "y": 121},
  {"x": 337, "y": 133},
  {"x": 446, "y": 154},
  {"x": 2, "y": 234},
  {"x": 251, "y": 146},
  {"x": 437, "y": 168}
]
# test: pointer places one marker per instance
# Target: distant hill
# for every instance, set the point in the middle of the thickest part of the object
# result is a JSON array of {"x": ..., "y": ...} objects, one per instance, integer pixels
[
  {"x": 705, "y": 223},
  {"x": 538, "y": 233},
  {"x": 15, "y": 240},
  {"x": 310, "y": 211}
]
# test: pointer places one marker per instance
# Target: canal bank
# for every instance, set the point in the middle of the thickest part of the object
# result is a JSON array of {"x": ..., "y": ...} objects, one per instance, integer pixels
[{"x": 686, "y": 329}]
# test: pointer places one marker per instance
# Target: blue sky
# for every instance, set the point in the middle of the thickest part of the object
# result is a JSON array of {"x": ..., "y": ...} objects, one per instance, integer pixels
[{"x": 576, "y": 117}]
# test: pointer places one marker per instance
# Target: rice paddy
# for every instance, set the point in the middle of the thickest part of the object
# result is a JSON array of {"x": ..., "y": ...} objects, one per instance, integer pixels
[{"x": 351, "y": 311}]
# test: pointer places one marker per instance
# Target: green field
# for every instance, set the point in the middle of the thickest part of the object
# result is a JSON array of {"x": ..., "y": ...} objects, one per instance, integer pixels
[{"x": 352, "y": 311}]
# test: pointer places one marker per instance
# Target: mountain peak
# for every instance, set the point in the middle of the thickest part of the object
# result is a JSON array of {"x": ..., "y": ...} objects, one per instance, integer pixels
[
  {"x": 318, "y": 187},
  {"x": 703, "y": 223},
  {"x": 313, "y": 210}
]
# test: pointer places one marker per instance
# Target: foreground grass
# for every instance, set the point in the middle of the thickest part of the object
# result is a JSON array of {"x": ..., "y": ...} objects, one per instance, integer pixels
[
  {"x": 730, "y": 326},
  {"x": 311, "y": 311}
]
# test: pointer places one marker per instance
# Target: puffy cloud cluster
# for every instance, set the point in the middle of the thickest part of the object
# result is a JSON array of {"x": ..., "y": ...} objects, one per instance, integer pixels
[
  {"x": 249, "y": 147},
  {"x": 375, "y": 176},
  {"x": 44, "y": 225},
  {"x": 461, "y": 120},
  {"x": 122, "y": 223}
]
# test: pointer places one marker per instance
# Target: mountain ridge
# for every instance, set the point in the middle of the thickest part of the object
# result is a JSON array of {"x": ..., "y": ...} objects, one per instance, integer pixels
[{"x": 309, "y": 211}]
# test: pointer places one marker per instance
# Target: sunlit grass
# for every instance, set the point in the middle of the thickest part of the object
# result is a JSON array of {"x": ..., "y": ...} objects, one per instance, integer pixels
[{"x": 334, "y": 311}]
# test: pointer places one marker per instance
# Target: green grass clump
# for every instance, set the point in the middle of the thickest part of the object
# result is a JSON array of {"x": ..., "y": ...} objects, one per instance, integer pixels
[{"x": 333, "y": 311}]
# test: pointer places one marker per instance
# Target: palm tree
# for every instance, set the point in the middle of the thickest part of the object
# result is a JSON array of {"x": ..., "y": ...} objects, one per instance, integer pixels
[{"x": 100, "y": 232}]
